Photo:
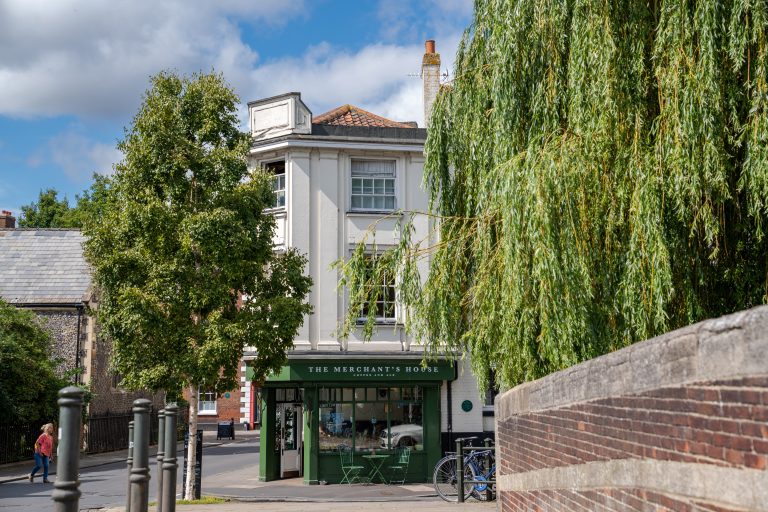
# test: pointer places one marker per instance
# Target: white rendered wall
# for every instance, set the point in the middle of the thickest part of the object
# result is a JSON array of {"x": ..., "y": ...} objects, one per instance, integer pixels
[{"x": 463, "y": 388}]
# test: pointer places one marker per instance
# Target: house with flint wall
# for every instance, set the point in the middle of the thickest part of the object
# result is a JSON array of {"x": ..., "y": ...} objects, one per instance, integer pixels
[
  {"x": 336, "y": 175},
  {"x": 44, "y": 271}
]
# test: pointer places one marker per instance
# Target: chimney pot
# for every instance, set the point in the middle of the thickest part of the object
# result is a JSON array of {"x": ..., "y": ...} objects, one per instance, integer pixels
[
  {"x": 429, "y": 46},
  {"x": 7, "y": 220}
]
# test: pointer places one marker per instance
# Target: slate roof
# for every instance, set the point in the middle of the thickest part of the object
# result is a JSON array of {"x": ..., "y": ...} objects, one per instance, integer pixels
[
  {"x": 350, "y": 115},
  {"x": 43, "y": 266}
]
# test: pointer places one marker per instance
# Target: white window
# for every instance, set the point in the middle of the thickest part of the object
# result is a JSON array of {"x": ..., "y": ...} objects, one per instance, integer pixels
[
  {"x": 277, "y": 169},
  {"x": 206, "y": 403},
  {"x": 373, "y": 185},
  {"x": 385, "y": 303}
]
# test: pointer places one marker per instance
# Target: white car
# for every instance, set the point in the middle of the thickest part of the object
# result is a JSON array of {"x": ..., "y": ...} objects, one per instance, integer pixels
[{"x": 402, "y": 435}]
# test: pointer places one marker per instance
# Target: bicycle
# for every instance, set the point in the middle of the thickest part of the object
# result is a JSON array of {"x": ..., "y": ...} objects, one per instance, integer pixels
[
  {"x": 482, "y": 468},
  {"x": 477, "y": 472}
]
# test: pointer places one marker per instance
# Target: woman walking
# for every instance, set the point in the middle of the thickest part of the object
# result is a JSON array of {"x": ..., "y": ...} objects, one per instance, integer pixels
[{"x": 43, "y": 452}]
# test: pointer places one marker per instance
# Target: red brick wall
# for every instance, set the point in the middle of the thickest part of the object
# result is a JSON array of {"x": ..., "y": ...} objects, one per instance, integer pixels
[{"x": 685, "y": 446}]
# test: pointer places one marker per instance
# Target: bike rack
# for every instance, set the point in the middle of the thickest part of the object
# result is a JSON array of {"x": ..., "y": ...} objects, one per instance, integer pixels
[{"x": 460, "y": 449}]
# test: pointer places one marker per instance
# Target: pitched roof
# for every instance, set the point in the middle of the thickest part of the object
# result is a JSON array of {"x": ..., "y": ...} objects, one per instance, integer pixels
[
  {"x": 43, "y": 266},
  {"x": 350, "y": 115}
]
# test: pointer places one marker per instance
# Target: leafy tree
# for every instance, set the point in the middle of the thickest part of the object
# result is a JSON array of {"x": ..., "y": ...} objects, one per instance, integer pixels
[
  {"x": 182, "y": 251},
  {"x": 28, "y": 381},
  {"x": 600, "y": 172},
  {"x": 50, "y": 212},
  {"x": 47, "y": 212}
]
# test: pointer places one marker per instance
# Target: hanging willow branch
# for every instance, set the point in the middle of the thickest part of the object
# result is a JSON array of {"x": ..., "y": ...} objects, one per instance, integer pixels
[{"x": 600, "y": 169}]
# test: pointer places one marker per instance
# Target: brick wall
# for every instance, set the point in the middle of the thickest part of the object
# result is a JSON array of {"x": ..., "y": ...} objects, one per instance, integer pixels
[{"x": 678, "y": 422}]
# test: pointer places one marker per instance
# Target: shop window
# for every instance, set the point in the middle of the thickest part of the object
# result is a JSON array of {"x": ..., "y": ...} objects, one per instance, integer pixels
[
  {"x": 206, "y": 403},
  {"x": 371, "y": 418},
  {"x": 277, "y": 169},
  {"x": 373, "y": 185}
]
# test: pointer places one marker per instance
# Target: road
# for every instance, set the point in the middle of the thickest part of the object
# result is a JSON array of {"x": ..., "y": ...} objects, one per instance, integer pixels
[{"x": 106, "y": 485}]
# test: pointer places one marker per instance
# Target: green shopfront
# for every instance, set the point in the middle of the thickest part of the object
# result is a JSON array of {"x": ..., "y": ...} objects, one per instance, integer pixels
[{"x": 370, "y": 405}]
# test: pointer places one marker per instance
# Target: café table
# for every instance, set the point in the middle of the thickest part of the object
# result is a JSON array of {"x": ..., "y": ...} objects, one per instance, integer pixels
[{"x": 376, "y": 461}]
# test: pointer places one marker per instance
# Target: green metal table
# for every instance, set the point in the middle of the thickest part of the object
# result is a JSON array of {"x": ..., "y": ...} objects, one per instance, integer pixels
[{"x": 376, "y": 461}]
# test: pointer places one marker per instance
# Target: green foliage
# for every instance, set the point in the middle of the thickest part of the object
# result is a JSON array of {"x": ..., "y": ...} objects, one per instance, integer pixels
[
  {"x": 28, "y": 382},
  {"x": 600, "y": 170},
  {"x": 49, "y": 212},
  {"x": 180, "y": 236}
]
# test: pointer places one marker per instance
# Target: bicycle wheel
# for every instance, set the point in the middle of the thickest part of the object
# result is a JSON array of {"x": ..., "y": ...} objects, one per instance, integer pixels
[{"x": 446, "y": 480}]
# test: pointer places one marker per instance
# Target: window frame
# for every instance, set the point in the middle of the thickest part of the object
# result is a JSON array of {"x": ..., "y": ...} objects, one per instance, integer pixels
[
  {"x": 265, "y": 165},
  {"x": 383, "y": 320},
  {"x": 207, "y": 412},
  {"x": 395, "y": 182}
]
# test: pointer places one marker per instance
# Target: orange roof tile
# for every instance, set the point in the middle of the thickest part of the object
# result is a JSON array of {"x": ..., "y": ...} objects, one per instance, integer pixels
[{"x": 350, "y": 115}]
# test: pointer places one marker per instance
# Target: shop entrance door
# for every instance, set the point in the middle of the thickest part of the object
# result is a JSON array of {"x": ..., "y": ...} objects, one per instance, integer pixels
[{"x": 289, "y": 425}]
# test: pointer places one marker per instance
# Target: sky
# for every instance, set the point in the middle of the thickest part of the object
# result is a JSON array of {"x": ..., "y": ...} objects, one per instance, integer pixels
[{"x": 73, "y": 72}]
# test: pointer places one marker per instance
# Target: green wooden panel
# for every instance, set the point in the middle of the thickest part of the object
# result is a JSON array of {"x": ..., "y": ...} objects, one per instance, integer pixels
[
  {"x": 419, "y": 469},
  {"x": 311, "y": 435},
  {"x": 269, "y": 458}
]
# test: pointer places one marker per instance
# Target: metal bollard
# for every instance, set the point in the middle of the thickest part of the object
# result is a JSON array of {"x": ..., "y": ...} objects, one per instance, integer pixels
[
  {"x": 129, "y": 463},
  {"x": 140, "y": 470},
  {"x": 66, "y": 494},
  {"x": 160, "y": 453},
  {"x": 168, "y": 498},
  {"x": 460, "y": 470}
]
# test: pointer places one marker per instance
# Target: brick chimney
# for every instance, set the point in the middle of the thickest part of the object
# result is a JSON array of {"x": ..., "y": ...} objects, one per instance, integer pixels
[
  {"x": 430, "y": 76},
  {"x": 7, "y": 220}
]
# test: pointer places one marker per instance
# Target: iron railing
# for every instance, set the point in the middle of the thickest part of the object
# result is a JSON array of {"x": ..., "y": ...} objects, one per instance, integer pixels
[{"x": 17, "y": 442}]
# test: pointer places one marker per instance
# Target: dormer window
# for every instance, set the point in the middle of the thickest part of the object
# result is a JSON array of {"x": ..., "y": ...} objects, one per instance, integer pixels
[
  {"x": 373, "y": 185},
  {"x": 277, "y": 169}
]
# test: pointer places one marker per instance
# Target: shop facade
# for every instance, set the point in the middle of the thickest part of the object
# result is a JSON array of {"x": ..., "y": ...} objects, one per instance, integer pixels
[{"x": 369, "y": 404}]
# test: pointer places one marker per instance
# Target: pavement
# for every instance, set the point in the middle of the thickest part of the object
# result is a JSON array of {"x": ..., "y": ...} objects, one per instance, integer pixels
[{"x": 244, "y": 490}]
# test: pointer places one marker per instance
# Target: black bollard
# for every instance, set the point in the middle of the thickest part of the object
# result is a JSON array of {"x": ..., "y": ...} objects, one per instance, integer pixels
[
  {"x": 160, "y": 452},
  {"x": 168, "y": 498},
  {"x": 129, "y": 463},
  {"x": 140, "y": 470},
  {"x": 66, "y": 493}
]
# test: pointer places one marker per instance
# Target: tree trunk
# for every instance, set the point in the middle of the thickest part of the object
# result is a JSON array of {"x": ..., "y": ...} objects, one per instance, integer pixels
[{"x": 189, "y": 485}]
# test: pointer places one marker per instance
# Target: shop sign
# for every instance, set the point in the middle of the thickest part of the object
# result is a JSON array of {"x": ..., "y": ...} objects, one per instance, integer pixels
[{"x": 363, "y": 371}]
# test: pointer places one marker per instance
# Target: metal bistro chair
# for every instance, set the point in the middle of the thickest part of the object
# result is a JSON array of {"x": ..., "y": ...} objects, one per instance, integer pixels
[
  {"x": 399, "y": 466},
  {"x": 348, "y": 467}
]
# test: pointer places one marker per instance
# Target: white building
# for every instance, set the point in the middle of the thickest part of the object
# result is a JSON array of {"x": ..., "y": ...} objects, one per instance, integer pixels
[{"x": 335, "y": 176}]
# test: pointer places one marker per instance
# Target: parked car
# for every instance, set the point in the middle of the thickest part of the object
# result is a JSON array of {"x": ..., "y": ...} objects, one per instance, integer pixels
[{"x": 408, "y": 434}]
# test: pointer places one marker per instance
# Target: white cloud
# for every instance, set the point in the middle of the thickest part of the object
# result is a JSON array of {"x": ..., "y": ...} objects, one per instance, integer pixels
[
  {"x": 90, "y": 58},
  {"x": 77, "y": 155},
  {"x": 87, "y": 56}
]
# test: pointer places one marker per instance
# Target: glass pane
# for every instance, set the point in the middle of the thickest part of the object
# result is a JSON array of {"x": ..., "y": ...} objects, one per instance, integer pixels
[
  {"x": 370, "y": 420},
  {"x": 368, "y": 186},
  {"x": 378, "y": 201},
  {"x": 405, "y": 426},
  {"x": 389, "y": 204},
  {"x": 394, "y": 394},
  {"x": 390, "y": 187},
  {"x": 378, "y": 187},
  {"x": 324, "y": 395},
  {"x": 368, "y": 202},
  {"x": 335, "y": 426},
  {"x": 359, "y": 394},
  {"x": 357, "y": 186},
  {"x": 357, "y": 202},
  {"x": 280, "y": 395},
  {"x": 347, "y": 395},
  {"x": 290, "y": 428}
]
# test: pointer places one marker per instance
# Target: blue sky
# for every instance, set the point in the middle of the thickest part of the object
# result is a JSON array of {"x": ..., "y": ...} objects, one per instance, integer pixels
[{"x": 72, "y": 72}]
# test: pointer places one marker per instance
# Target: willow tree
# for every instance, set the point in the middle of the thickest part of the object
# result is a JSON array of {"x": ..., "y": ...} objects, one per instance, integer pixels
[
  {"x": 600, "y": 172},
  {"x": 182, "y": 252}
]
